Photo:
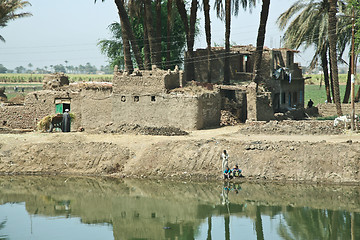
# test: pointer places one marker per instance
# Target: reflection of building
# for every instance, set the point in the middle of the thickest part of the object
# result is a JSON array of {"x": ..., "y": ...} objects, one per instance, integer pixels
[
  {"x": 139, "y": 209},
  {"x": 282, "y": 79}
]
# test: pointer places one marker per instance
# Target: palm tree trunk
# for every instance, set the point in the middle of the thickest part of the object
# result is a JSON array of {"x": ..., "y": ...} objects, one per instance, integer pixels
[
  {"x": 261, "y": 39},
  {"x": 127, "y": 27},
  {"x": 190, "y": 34},
  {"x": 158, "y": 34},
  {"x": 208, "y": 37},
  {"x": 348, "y": 86},
  {"x": 331, "y": 82},
  {"x": 227, "y": 42},
  {"x": 147, "y": 60},
  {"x": 258, "y": 225},
  {"x": 333, "y": 56},
  {"x": 227, "y": 227},
  {"x": 191, "y": 66},
  {"x": 324, "y": 64},
  {"x": 127, "y": 53},
  {"x": 209, "y": 229},
  {"x": 150, "y": 30},
  {"x": 168, "y": 33}
]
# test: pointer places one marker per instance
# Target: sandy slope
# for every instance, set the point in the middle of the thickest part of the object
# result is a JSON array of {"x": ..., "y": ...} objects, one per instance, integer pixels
[{"x": 330, "y": 158}]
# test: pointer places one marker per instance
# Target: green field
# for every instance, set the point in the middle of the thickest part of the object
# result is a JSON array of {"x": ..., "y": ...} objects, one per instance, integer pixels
[
  {"x": 31, "y": 78},
  {"x": 318, "y": 94}
]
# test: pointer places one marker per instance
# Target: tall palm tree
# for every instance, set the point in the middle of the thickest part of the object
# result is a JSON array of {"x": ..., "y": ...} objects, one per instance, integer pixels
[
  {"x": 8, "y": 9},
  {"x": 231, "y": 6},
  {"x": 127, "y": 31},
  {"x": 169, "y": 7},
  {"x": 333, "y": 55},
  {"x": 206, "y": 6},
  {"x": 190, "y": 34},
  {"x": 158, "y": 33},
  {"x": 309, "y": 27},
  {"x": 261, "y": 39}
]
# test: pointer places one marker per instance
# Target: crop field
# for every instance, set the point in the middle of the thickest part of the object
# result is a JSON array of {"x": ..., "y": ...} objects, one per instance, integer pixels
[{"x": 32, "y": 78}]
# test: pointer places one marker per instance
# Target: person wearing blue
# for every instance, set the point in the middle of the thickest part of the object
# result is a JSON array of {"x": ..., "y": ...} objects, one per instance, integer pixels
[
  {"x": 236, "y": 172},
  {"x": 227, "y": 173}
]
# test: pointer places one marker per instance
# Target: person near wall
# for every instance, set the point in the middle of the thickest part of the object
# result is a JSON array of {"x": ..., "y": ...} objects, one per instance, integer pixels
[
  {"x": 225, "y": 160},
  {"x": 65, "y": 125}
]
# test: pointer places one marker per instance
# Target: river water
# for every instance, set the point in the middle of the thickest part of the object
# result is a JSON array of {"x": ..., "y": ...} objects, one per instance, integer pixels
[{"x": 33, "y": 207}]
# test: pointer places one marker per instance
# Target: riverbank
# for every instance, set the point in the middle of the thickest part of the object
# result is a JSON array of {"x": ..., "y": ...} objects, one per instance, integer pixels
[{"x": 269, "y": 157}]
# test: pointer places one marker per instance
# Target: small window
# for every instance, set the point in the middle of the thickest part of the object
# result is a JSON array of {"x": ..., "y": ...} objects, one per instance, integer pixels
[
  {"x": 136, "y": 98},
  {"x": 153, "y": 98},
  {"x": 123, "y": 98}
]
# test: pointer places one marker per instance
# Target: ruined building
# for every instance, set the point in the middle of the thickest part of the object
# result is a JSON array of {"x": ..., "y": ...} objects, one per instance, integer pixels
[
  {"x": 281, "y": 88},
  {"x": 148, "y": 98}
]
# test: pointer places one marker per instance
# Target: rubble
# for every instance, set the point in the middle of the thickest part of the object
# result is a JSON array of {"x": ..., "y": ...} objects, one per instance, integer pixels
[
  {"x": 228, "y": 119},
  {"x": 290, "y": 127}
]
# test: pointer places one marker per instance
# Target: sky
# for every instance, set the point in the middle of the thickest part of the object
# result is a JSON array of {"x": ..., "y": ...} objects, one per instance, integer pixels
[{"x": 68, "y": 30}]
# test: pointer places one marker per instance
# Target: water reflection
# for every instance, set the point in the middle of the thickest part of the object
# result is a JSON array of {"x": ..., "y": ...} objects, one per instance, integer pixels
[{"x": 167, "y": 210}]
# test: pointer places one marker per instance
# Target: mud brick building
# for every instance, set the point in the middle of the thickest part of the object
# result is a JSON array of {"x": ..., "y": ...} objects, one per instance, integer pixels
[
  {"x": 148, "y": 98},
  {"x": 282, "y": 81}
]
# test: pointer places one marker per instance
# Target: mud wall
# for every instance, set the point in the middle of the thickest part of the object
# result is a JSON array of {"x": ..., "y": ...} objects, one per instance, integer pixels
[
  {"x": 157, "y": 110},
  {"x": 17, "y": 117},
  {"x": 329, "y": 109},
  {"x": 259, "y": 105},
  {"x": 209, "y": 110},
  {"x": 156, "y": 81},
  {"x": 95, "y": 108}
]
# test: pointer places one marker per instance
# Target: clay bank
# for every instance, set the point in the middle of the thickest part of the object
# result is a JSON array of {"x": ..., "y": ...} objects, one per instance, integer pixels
[{"x": 303, "y": 158}]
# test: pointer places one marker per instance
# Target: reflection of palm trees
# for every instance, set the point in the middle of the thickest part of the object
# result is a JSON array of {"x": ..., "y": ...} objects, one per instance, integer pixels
[
  {"x": 306, "y": 223},
  {"x": 209, "y": 229},
  {"x": 258, "y": 224},
  {"x": 2, "y": 225}
]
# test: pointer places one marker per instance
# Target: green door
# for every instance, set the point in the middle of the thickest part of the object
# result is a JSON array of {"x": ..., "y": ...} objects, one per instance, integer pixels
[{"x": 59, "y": 108}]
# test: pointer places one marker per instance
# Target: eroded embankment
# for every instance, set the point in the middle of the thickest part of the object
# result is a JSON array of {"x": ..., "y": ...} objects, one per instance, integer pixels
[{"x": 178, "y": 157}]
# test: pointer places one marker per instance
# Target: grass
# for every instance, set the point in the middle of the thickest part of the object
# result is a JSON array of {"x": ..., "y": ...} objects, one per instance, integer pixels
[{"x": 318, "y": 95}]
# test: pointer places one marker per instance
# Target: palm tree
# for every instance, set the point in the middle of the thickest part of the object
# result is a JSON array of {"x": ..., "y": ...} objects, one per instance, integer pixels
[
  {"x": 206, "y": 6},
  {"x": 309, "y": 28},
  {"x": 158, "y": 33},
  {"x": 128, "y": 36},
  {"x": 190, "y": 34},
  {"x": 261, "y": 39},
  {"x": 229, "y": 8},
  {"x": 8, "y": 9},
  {"x": 168, "y": 32},
  {"x": 332, "y": 20}
]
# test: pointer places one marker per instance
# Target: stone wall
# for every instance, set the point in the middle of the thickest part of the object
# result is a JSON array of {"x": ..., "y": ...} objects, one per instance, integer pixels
[{"x": 329, "y": 109}]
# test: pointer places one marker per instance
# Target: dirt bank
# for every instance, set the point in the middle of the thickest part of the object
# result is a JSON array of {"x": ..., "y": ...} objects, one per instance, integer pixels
[{"x": 313, "y": 158}]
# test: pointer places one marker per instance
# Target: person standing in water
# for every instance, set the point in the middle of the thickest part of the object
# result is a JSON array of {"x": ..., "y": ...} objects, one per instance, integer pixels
[{"x": 225, "y": 160}]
